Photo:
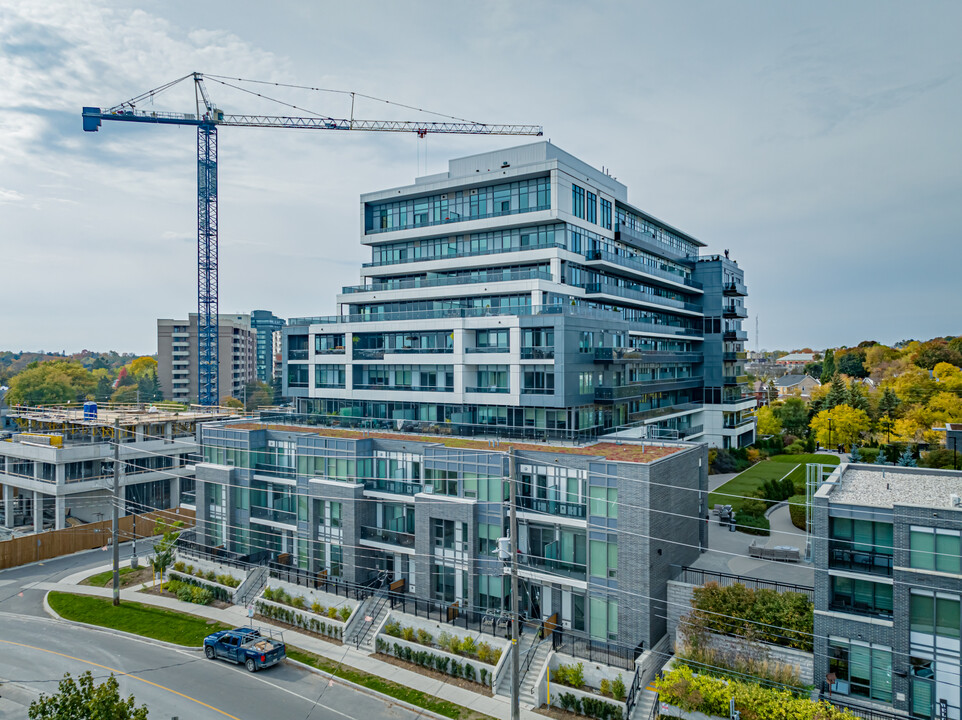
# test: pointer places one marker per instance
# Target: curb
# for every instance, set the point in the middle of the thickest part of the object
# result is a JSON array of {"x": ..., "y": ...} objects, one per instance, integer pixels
[
  {"x": 374, "y": 693},
  {"x": 122, "y": 633}
]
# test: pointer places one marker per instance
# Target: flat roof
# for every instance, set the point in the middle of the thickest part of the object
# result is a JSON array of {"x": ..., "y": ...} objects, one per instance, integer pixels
[
  {"x": 636, "y": 451},
  {"x": 878, "y": 486}
]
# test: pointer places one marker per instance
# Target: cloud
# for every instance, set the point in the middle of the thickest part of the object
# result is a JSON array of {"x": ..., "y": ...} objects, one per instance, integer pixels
[{"x": 10, "y": 196}]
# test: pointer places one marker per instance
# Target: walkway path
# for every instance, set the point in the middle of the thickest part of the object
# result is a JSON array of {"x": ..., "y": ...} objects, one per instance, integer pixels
[{"x": 497, "y": 707}]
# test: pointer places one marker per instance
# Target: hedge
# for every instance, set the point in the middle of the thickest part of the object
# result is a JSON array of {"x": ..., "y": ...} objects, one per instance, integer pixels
[
  {"x": 442, "y": 664},
  {"x": 591, "y": 707},
  {"x": 228, "y": 580},
  {"x": 292, "y": 617},
  {"x": 465, "y": 647},
  {"x": 216, "y": 590},
  {"x": 796, "y": 507},
  {"x": 684, "y": 689}
]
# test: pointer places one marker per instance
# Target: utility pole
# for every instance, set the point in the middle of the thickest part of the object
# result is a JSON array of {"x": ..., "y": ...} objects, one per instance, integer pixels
[
  {"x": 515, "y": 613},
  {"x": 116, "y": 515}
]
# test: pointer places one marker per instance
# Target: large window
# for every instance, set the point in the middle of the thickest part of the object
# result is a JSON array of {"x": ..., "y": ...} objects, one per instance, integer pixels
[
  {"x": 591, "y": 208},
  {"x": 934, "y": 614},
  {"x": 861, "y": 596},
  {"x": 441, "y": 482},
  {"x": 861, "y": 545},
  {"x": 538, "y": 379},
  {"x": 606, "y": 214},
  {"x": 578, "y": 201},
  {"x": 329, "y": 344},
  {"x": 603, "y": 560},
  {"x": 861, "y": 669},
  {"x": 935, "y": 549},
  {"x": 603, "y": 618},
  {"x": 493, "y": 378},
  {"x": 329, "y": 376},
  {"x": 492, "y": 339},
  {"x": 603, "y": 502}
]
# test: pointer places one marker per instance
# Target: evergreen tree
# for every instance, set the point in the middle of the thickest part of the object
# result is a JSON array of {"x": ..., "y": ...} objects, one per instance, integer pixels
[
  {"x": 856, "y": 397},
  {"x": 837, "y": 394},
  {"x": 856, "y": 455},
  {"x": 888, "y": 403},
  {"x": 880, "y": 458},
  {"x": 104, "y": 390},
  {"x": 906, "y": 459},
  {"x": 828, "y": 366},
  {"x": 772, "y": 391}
]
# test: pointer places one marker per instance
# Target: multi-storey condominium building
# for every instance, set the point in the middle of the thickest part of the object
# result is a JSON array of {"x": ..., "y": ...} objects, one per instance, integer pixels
[
  {"x": 265, "y": 323},
  {"x": 520, "y": 293},
  {"x": 888, "y": 585},
  {"x": 601, "y": 526},
  {"x": 59, "y": 462},
  {"x": 177, "y": 356}
]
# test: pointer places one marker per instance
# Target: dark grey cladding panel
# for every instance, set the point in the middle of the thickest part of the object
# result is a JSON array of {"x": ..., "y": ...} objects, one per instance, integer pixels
[{"x": 215, "y": 473}]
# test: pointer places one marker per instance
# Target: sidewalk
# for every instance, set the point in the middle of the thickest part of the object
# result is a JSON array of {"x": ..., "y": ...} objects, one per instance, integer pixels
[{"x": 497, "y": 707}]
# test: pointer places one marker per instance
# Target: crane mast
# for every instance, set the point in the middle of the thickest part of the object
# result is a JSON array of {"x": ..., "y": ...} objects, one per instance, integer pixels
[{"x": 207, "y": 118}]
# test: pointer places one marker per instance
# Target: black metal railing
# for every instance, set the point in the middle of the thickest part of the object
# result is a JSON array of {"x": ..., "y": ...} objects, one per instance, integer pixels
[
  {"x": 608, "y": 653},
  {"x": 634, "y": 692},
  {"x": 857, "y": 607},
  {"x": 391, "y": 537},
  {"x": 843, "y": 557},
  {"x": 287, "y": 517},
  {"x": 862, "y": 711},
  {"x": 553, "y": 507},
  {"x": 695, "y": 576}
]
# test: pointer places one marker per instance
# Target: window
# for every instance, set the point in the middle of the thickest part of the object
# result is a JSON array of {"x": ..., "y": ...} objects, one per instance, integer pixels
[
  {"x": 488, "y": 534},
  {"x": 861, "y": 669},
  {"x": 861, "y": 596},
  {"x": 329, "y": 376},
  {"x": 538, "y": 380},
  {"x": 606, "y": 214},
  {"x": 586, "y": 383},
  {"x": 603, "y": 558},
  {"x": 492, "y": 377},
  {"x": 442, "y": 583},
  {"x": 603, "y": 502},
  {"x": 492, "y": 338},
  {"x": 591, "y": 208},
  {"x": 441, "y": 482},
  {"x": 578, "y": 201},
  {"x": 297, "y": 376},
  {"x": 935, "y": 549},
  {"x": 603, "y": 618},
  {"x": 934, "y": 614},
  {"x": 327, "y": 344},
  {"x": 586, "y": 343}
]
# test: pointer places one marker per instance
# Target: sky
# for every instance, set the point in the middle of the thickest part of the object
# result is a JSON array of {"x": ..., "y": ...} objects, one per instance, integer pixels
[{"x": 818, "y": 141}]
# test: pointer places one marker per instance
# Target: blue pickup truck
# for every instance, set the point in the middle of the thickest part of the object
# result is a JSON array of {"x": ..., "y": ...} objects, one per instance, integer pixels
[{"x": 246, "y": 646}]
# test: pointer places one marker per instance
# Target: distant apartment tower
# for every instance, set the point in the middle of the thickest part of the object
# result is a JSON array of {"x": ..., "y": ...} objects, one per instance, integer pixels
[
  {"x": 266, "y": 324},
  {"x": 177, "y": 356},
  {"x": 519, "y": 293},
  {"x": 277, "y": 342}
]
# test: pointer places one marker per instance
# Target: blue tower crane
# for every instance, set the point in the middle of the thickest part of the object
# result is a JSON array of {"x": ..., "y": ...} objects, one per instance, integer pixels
[{"x": 207, "y": 118}]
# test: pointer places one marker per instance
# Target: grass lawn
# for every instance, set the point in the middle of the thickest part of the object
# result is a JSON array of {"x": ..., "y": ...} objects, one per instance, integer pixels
[
  {"x": 167, "y": 625},
  {"x": 107, "y": 577},
  {"x": 393, "y": 689},
  {"x": 775, "y": 468}
]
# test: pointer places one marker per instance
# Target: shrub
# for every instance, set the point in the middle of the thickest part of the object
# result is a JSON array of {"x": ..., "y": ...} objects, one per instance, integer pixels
[
  {"x": 570, "y": 675},
  {"x": 455, "y": 669},
  {"x": 444, "y": 640},
  {"x": 179, "y": 566},
  {"x": 332, "y": 613},
  {"x": 484, "y": 652},
  {"x": 268, "y": 593},
  {"x": 441, "y": 663},
  {"x": 723, "y": 462},
  {"x": 318, "y": 609},
  {"x": 407, "y": 633},
  {"x": 468, "y": 647},
  {"x": 424, "y": 637},
  {"x": 569, "y": 702},
  {"x": 796, "y": 507},
  {"x": 298, "y": 602},
  {"x": 606, "y": 687},
  {"x": 618, "y": 690},
  {"x": 345, "y": 613},
  {"x": 469, "y": 672},
  {"x": 755, "y": 508},
  {"x": 484, "y": 676},
  {"x": 211, "y": 575},
  {"x": 704, "y": 693},
  {"x": 393, "y": 629}
]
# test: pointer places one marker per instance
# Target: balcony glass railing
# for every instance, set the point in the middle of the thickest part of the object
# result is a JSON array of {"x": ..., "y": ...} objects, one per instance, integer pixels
[
  {"x": 618, "y": 354},
  {"x": 487, "y": 389},
  {"x": 398, "y": 487},
  {"x": 277, "y": 515},
  {"x": 489, "y": 277},
  {"x": 843, "y": 556},
  {"x": 298, "y": 354},
  {"x": 274, "y": 470},
  {"x": 487, "y": 349},
  {"x": 553, "y": 507},
  {"x": 537, "y": 353},
  {"x": 735, "y": 335},
  {"x": 551, "y": 566},
  {"x": 641, "y": 296},
  {"x": 735, "y": 289},
  {"x": 457, "y": 219},
  {"x": 623, "y": 392},
  {"x": 391, "y": 537},
  {"x": 537, "y": 391},
  {"x": 858, "y": 607},
  {"x": 630, "y": 262},
  {"x": 409, "y": 388},
  {"x": 466, "y": 253}
]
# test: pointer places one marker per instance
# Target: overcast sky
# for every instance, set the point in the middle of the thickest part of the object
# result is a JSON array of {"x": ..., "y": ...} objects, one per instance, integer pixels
[{"x": 820, "y": 142}]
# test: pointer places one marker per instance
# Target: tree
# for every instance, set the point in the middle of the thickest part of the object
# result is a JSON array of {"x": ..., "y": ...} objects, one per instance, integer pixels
[
  {"x": 813, "y": 368},
  {"x": 104, "y": 388},
  {"x": 914, "y": 386},
  {"x": 793, "y": 415},
  {"x": 837, "y": 394},
  {"x": 856, "y": 397},
  {"x": 258, "y": 395},
  {"x": 143, "y": 366},
  {"x": 852, "y": 364},
  {"x": 841, "y": 425},
  {"x": 880, "y": 458},
  {"x": 888, "y": 402},
  {"x": 906, "y": 459},
  {"x": 768, "y": 423},
  {"x": 828, "y": 366},
  {"x": 937, "y": 351},
  {"x": 949, "y": 377},
  {"x": 163, "y": 555},
  {"x": 877, "y": 356},
  {"x": 82, "y": 699},
  {"x": 148, "y": 388},
  {"x": 51, "y": 383},
  {"x": 127, "y": 394},
  {"x": 772, "y": 391},
  {"x": 230, "y": 402}
]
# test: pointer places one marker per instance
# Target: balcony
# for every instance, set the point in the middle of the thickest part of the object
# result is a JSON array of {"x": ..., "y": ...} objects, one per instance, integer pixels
[
  {"x": 846, "y": 605},
  {"x": 408, "y": 388},
  {"x": 449, "y": 220},
  {"x": 329, "y": 351},
  {"x": 639, "y": 295},
  {"x": 734, "y": 379},
  {"x": 735, "y": 424},
  {"x": 735, "y": 289},
  {"x": 487, "y": 349},
  {"x": 636, "y": 390},
  {"x": 842, "y": 556},
  {"x": 537, "y": 353},
  {"x": 733, "y": 335},
  {"x": 368, "y": 353},
  {"x": 553, "y": 507},
  {"x": 734, "y": 311},
  {"x": 488, "y": 389},
  {"x": 464, "y": 253},
  {"x": 298, "y": 354},
  {"x": 274, "y": 471},
  {"x": 652, "y": 413},
  {"x": 389, "y": 537},
  {"x": 629, "y": 262},
  {"x": 624, "y": 354},
  {"x": 690, "y": 431},
  {"x": 551, "y": 566},
  {"x": 397, "y": 487},
  {"x": 734, "y": 356},
  {"x": 647, "y": 241},
  {"x": 285, "y": 517},
  {"x": 537, "y": 391},
  {"x": 490, "y": 277}
]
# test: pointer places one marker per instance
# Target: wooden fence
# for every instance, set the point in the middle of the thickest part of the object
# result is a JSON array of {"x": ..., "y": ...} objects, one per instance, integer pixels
[{"x": 54, "y": 543}]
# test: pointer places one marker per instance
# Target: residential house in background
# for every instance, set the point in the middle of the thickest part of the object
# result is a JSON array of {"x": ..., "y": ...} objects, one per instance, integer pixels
[
  {"x": 795, "y": 361},
  {"x": 796, "y": 386}
]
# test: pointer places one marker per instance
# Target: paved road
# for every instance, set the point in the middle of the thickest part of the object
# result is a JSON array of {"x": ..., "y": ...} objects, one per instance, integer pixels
[{"x": 36, "y": 652}]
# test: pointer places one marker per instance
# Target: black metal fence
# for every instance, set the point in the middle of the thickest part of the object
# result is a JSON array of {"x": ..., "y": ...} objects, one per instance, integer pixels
[
  {"x": 634, "y": 692},
  {"x": 612, "y": 654},
  {"x": 695, "y": 576},
  {"x": 862, "y": 711}
]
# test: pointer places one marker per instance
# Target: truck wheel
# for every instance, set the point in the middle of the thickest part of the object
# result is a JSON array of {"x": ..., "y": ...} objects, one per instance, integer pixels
[
  {"x": 209, "y": 652},
  {"x": 251, "y": 667}
]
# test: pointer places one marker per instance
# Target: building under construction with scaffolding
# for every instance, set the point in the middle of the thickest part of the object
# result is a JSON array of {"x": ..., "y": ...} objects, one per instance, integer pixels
[{"x": 57, "y": 466}]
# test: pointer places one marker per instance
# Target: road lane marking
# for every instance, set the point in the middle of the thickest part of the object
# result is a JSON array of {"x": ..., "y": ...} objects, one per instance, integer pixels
[{"x": 121, "y": 672}]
